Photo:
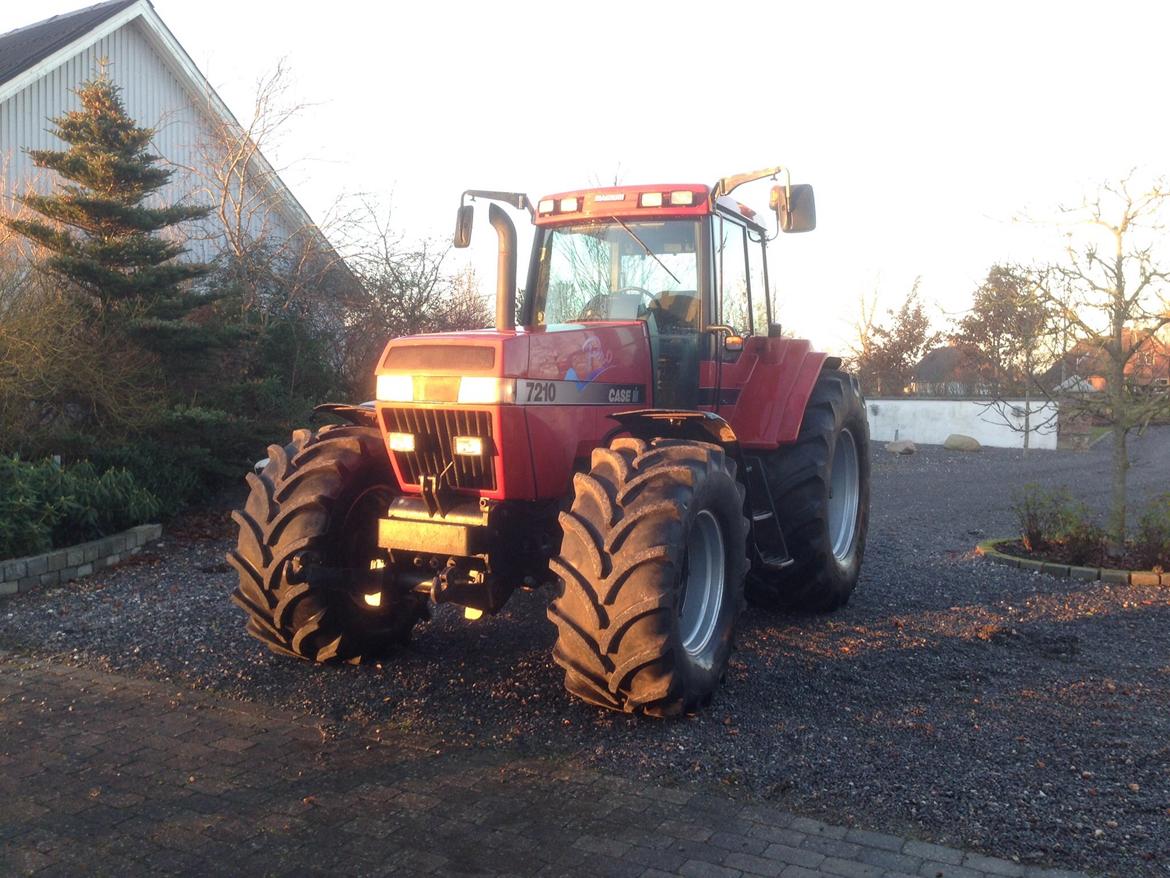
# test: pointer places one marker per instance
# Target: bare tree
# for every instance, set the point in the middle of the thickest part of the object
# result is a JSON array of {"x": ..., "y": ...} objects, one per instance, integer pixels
[
  {"x": 281, "y": 258},
  {"x": 1113, "y": 289},
  {"x": 405, "y": 290},
  {"x": 862, "y": 353}
]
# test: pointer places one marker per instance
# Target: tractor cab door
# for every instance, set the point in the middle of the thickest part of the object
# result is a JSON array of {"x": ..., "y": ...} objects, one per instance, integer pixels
[
  {"x": 739, "y": 300},
  {"x": 663, "y": 260}
]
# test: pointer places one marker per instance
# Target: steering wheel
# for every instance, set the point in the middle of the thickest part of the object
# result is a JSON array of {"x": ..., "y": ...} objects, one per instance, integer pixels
[{"x": 592, "y": 310}]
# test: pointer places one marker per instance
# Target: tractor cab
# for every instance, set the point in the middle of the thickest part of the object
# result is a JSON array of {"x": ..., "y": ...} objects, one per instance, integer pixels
[
  {"x": 686, "y": 260},
  {"x": 693, "y": 271}
]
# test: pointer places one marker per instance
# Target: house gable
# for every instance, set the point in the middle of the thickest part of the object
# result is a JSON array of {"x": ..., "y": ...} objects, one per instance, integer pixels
[
  {"x": 161, "y": 85},
  {"x": 23, "y": 50}
]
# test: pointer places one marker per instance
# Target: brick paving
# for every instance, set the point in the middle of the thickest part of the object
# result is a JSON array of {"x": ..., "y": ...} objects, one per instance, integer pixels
[{"x": 107, "y": 775}]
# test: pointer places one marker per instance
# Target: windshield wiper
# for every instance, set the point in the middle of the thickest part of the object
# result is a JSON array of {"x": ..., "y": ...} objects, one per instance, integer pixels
[{"x": 649, "y": 252}]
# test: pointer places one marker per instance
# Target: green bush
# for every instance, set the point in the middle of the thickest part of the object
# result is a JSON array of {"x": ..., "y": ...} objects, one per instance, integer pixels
[
  {"x": 1036, "y": 510},
  {"x": 26, "y": 521},
  {"x": 1153, "y": 535},
  {"x": 1083, "y": 538},
  {"x": 43, "y": 505},
  {"x": 186, "y": 455},
  {"x": 1050, "y": 517},
  {"x": 183, "y": 392}
]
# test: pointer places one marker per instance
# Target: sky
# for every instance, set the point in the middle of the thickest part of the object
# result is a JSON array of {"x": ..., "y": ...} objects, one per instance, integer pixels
[{"x": 927, "y": 129}]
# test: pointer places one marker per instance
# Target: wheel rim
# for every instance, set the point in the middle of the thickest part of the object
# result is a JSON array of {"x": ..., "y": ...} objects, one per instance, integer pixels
[
  {"x": 844, "y": 485},
  {"x": 359, "y": 533},
  {"x": 702, "y": 596}
]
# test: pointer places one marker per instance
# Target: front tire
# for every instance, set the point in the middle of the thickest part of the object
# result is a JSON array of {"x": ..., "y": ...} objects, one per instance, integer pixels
[
  {"x": 315, "y": 506},
  {"x": 820, "y": 488},
  {"x": 651, "y": 566}
]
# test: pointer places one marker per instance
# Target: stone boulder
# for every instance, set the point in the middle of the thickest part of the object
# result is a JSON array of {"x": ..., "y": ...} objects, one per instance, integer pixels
[
  {"x": 903, "y": 446},
  {"x": 959, "y": 442}
]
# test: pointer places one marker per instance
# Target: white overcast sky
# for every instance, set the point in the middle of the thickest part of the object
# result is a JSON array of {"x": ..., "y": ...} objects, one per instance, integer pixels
[{"x": 925, "y": 127}]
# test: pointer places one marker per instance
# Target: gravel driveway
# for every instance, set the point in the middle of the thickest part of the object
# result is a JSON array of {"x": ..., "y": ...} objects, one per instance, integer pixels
[{"x": 953, "y": 700}]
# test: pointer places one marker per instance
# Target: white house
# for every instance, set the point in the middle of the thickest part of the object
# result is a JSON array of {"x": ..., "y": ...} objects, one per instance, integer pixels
[{"x": 42, "y": 63}]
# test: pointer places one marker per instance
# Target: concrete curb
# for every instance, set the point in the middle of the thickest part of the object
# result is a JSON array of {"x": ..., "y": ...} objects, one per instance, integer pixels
[
  {"x": 989, "y": 549},
  {"x": 73, "y": 562}
]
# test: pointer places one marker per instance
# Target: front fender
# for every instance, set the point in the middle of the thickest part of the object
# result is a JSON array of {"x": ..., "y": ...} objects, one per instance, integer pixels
[
  {"x": 697, "y": 426},
  {"x": 364, "y": 415},
  {"x": 771, "y": 405}
]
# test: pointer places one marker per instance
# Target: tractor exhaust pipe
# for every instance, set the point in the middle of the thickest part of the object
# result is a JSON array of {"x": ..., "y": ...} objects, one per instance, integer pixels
[
  {"x": 505, "y": 269},
  {"x": 506, "y": 231}
]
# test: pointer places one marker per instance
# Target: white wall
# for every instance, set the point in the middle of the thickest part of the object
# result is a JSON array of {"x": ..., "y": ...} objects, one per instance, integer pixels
[{"x": 930, "y": 421}]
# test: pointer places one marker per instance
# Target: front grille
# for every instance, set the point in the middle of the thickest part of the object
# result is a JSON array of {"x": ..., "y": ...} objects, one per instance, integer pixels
[{"x": 434, "y": 432}]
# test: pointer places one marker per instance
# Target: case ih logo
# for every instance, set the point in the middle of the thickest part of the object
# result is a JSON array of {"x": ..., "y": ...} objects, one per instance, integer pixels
[{"x": 576, "y": 393}]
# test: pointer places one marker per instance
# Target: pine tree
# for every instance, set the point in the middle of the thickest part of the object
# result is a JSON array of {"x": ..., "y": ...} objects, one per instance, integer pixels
[{"x": 100, "y": 235}]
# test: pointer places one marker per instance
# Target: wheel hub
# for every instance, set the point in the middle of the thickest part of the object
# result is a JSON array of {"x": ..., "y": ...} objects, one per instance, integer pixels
[
  {"x": 844, "y": 496},
  {"x": 703, "y": 583}
]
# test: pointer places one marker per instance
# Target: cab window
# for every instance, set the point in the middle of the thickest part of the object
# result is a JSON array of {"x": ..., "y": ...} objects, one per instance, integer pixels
[
  {"x": 620, "y": 270},
  {"x": 759, "y": 287},
  {"x": 733, "y": 301}
]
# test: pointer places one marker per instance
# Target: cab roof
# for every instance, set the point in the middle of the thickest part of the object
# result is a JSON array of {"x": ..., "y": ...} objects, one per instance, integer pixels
[{"x": 650, "y": 201}]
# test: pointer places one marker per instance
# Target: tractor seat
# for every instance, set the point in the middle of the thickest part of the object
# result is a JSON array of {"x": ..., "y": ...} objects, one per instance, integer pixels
[{"x": 678, "y": 309}]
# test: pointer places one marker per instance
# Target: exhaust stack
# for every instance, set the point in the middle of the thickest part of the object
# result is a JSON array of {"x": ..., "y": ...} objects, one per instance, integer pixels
[{"x": 505, "y": 268}]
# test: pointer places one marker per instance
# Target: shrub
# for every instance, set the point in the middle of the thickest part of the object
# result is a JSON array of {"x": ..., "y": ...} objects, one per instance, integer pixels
[
  {"x": 43, "y": 505},
  {"x": 1034, "y": 509},
  {"x": 26, "y": 521},
  {"x": 1053, "y": 517},
  {"x": 61, "y": 370},
  {"x": 1152, "y": 543},
  {"x": 186, "y": 455},
  {"x": 1081, "y": 537}
]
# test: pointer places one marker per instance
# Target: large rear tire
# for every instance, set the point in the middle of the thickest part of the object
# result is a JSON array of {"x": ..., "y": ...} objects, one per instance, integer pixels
[
  {"x": 651, "y": 567},
  {"x": 315, "y": 506},
  {"x": 820, "y": 488}
]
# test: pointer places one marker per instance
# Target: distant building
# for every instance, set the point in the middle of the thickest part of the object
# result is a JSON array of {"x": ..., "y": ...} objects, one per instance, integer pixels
[
  {"x": 949, "y": 370},
  {"x": 1085, "y": 368},
  {"x": 42, "y": 63}
]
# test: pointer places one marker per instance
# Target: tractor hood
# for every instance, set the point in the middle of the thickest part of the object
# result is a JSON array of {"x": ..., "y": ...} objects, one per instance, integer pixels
[
  {"x": 579, "y": 364},
  {"x": 539, "y": 400}
]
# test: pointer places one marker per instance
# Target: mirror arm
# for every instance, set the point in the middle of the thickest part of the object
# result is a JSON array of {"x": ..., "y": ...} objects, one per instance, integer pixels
[
  {"x": 727, "y": 185},
  {"x": 516, "y": 199}
]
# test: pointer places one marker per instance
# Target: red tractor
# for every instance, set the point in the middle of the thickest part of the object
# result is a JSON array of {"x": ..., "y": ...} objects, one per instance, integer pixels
[{"x": 641, "y": 437}]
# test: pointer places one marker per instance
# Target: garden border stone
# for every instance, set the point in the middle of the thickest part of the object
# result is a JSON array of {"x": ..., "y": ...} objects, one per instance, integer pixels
[
  {"x": 73, "y": 562},
  {"x": 989, "y": 549}
]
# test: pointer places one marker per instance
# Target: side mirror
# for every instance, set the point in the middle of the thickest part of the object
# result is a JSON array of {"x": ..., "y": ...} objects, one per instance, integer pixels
[
  {"x": 795, "y": 207},
  {"x": 463, "y": 222}
]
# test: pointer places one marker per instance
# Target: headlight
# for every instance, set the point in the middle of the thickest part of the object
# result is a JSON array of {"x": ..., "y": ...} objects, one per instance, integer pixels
[
  {"x": 473, "y": 389},
  {"x": 483, "y": 389},
  {"x": 469, "y": 446},
  {"x": 403, "y": 442},
  {"x": 395, "y": 388}
]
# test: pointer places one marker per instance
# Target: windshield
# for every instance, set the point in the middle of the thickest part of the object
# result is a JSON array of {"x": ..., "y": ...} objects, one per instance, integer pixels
[{"x": 620, "y": 270}]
